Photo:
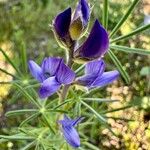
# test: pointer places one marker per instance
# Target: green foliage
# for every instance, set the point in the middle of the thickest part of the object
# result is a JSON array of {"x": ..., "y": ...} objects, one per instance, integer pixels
[{"x": 28, "y": 29}]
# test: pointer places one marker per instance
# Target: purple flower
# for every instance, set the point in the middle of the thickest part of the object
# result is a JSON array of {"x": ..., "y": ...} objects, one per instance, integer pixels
[
  {"x": 69, "y": 132},
  {"x": 95, "y": 75},
  {"x": 67, "y": 29},
  {"x": 95, "y": 46},
  {"x": 52, "y": 74}
]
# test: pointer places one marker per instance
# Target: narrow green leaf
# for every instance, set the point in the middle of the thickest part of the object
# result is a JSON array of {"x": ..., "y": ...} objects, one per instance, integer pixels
[
  {"x": 27, "y": 95},
  {"x": 91, "y": 146},
  {"x": 99, "y": 99},
  {"x": 56, "y": 110},
  {"x": 63, "y": 103},
  {"x": 9, "y": 61},
  {"x": 130, "y": 50},
  {"x": 32, "y": 117},
  {"x": 117, "y": 109},
  {"x": 105, "y": 13},
  {"x": 124, "y": 18},
  {"x": 32, "y": 86},
  {"x": 24, "y": 56},
  {"x": 4, "y": 71},
  {"x": 47, "y": 123},
  {"x": 94, "y": 111},
  {"x": 119, "y": 66},
  {"x": 117, "y": 118},
  {"x": 20, "y": 112},
  {"x": 16, "y": 137},
  {"x": 10, "y": 82},
  {"x": 29, "y": 146},
  {"x": 138, "y": 30},
  {"x": 79, "y": 69}
]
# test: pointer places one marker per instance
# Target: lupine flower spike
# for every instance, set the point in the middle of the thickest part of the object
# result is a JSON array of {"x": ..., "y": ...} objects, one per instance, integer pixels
[
  {"x": 52, "y": 74},
  {"x": 95, "y": 75},
  {"x": 69, "y": 132},
  {"x": 69, "y": 27},
  {"x": 95, "y": 46}
]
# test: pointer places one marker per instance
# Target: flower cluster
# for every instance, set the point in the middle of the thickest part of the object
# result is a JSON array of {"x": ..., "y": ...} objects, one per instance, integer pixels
[{"x": 53, "y": 73}]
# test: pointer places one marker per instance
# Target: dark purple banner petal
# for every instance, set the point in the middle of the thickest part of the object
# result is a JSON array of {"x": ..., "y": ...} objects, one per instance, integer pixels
[
  {"x": 96, "y": 44},
  {"x": 62, "y": 23}
]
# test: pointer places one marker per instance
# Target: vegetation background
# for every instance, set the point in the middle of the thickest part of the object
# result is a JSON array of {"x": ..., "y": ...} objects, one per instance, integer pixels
[{"x": 25, "y": 24}]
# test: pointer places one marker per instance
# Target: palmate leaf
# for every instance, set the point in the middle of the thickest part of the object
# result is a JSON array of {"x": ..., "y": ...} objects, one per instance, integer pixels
[
  {"x": 124, "y": 18},
  {"x": 138, "y": 30},
  {"x": 119, "y": 66},
  {"x": 130, "y": 50}
]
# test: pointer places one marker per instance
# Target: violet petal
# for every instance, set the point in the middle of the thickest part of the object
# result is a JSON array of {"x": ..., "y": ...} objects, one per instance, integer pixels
[
  {"x": 62, "y": 23},
  {"x": 64, "y": 74},
  {"x": 86, "y": 80},
  {"x": 96, "y": 67},
  {"x": 36, "y": 71},
  {"x": 71, "y": 136},
  {"x": 96, "y": 44},
  {"x": 82, "y": 11},
  {"x": 50, "y": 66},
  {"x": 48, "y": 87},
  {"x": 105, "y": 78}
]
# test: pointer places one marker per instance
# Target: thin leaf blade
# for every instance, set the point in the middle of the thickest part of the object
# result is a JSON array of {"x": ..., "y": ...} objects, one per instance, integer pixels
[
  {"x": 124, "y": 18},
  {"x": 130, "y": 50},
  {"x": 119, "y": 66}
]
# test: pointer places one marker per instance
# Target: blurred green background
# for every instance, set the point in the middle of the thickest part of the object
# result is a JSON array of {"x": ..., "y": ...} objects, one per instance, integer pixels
[{"x": 28, "y": 22}]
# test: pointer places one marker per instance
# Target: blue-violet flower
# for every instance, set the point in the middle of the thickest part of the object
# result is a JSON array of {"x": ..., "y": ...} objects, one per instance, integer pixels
[
  {"x": 52, "y": 74},
  {"x": 69, "y": 27},
  {"x": 69, "y": 132},
  {"x": 95, "y": 75}
]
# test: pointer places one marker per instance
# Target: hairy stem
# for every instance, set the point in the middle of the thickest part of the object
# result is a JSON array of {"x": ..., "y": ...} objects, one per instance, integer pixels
[{"x": 69, "y": 63}]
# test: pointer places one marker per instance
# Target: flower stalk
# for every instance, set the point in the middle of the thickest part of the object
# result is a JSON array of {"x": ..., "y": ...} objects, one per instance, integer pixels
[{"x": 69, "y": 59}]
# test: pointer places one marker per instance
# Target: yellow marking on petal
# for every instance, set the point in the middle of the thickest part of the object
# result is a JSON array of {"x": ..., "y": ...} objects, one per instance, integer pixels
[{"x": 76, "y": 29}]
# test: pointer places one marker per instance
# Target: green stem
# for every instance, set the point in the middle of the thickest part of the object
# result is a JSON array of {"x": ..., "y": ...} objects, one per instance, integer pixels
[{"x": 69, "y": 63}]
